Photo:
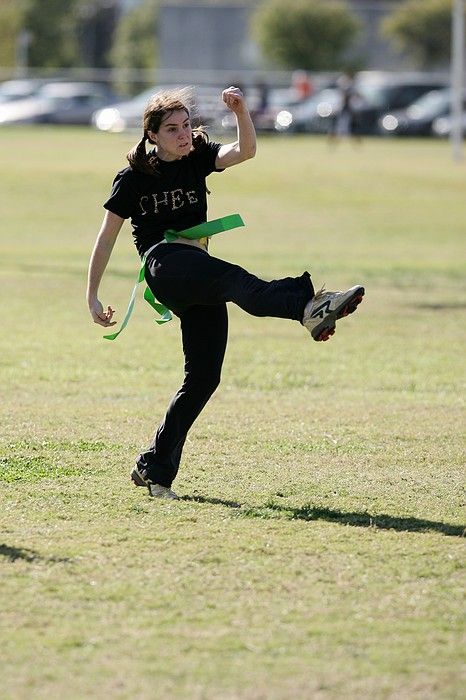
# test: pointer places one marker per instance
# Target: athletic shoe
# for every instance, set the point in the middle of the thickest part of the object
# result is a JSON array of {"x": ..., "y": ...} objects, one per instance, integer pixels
[
  {"x": 139, "y": 478},
  {"x": 326, "y": 308},
  {"x": 158, "y": 491}
]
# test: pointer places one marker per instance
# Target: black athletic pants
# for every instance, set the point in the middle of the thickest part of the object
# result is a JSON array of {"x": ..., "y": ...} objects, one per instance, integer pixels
[{"x": 196, "y": 287}]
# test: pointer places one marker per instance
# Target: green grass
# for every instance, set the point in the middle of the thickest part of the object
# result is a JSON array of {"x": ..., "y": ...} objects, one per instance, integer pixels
[{"x": 318, "y": 550}]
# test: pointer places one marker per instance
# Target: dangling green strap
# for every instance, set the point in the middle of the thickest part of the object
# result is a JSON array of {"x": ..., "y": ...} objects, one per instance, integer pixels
[
  {"x": 149, "y": 297},
  {"x": 205, "y": 230},
  {"x": 165, "y": 314}
]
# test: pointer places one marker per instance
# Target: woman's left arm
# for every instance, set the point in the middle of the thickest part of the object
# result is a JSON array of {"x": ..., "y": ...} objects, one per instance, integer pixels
[{"x": 245, "y": 146}]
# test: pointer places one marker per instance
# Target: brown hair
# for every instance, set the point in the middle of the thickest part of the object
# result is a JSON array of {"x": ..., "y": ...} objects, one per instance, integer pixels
[{"x": 160, "y": 106}]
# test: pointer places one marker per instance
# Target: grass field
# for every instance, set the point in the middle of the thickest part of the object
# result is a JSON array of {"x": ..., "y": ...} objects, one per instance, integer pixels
[{"x": 317, "y": 551}]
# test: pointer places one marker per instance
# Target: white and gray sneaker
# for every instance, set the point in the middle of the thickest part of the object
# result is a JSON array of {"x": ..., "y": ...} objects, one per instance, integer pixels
[
  {"x": 139, "y": 478},
  {"x": 158, "y": 491},
  {"x": 323, "y": 310}
]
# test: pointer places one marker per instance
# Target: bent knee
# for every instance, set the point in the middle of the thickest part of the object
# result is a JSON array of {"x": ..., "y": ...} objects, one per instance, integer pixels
[{"x": 204, "y": 383}]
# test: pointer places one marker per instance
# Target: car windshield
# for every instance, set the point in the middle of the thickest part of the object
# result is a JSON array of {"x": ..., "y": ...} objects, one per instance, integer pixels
[
  {"x": 17, "y": 88},
  {"x": 143, "y": 97},
  {"x": 67, "y": 90},
  {"x": 375, "y": 95},
  {"x": 432, "y": 101},
  {"x": 394, "y": 96}
]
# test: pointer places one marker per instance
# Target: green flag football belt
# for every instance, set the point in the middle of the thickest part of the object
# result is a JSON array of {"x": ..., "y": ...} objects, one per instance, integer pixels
[{"x": 195, "y": 233}]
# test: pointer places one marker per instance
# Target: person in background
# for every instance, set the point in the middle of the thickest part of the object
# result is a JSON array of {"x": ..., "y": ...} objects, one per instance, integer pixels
[
  {"x": 301, "y": 84},
  {"x": 344, "y": 123},
  {"x": 261, "y": 103}
]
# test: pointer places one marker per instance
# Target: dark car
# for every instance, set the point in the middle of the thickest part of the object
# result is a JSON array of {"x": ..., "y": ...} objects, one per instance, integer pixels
[
  {"x": 374, "y": 94},
  {"x": 390, "y": 94},
  {"x": 443, "y": 126},
  {"x": 419, "y": 117},
  {"x": 58, "y": 103},
  {"x": 307, "y": 114},
  {"x": 263, "y": 114}
]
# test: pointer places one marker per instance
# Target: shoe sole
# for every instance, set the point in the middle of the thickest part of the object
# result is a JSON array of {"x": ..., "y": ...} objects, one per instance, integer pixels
[
  {"x": 137, "y": 479},
  {"x": 324, "y": 330}
]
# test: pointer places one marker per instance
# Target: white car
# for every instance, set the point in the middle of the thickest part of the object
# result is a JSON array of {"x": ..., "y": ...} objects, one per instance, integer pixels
[{"x": 57, "y": 103}]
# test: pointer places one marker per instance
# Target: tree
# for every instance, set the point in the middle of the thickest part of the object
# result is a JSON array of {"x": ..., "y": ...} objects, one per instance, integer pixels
[
  {"x": 96, "y": 25},
  {"x": 52, "y": 25},
  {"x": 134, "y": 44},
  {"x": 422, "y": 29},
  {"x": 68, "y": 34},
  {"x": 11, "y": 20},
  {"x": 308, "y": 34}
]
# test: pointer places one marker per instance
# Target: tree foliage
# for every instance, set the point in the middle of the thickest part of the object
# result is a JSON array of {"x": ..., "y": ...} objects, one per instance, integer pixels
[
  {"x": 308, "y": 34},
  {"x": 52, "y": 27},
  {"x": 62, "y": 34},
  {"x": 422, "y": 29},
  {"x": 11, "y": 20},
  {"x": 135, "y": 38}
]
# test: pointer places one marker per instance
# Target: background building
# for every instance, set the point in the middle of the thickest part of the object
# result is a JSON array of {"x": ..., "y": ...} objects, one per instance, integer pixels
[{"x": 213, "y": 35}]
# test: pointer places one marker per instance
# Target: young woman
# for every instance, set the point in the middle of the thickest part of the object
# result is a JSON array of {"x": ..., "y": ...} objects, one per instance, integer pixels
[{"x": 165, "y": 189}]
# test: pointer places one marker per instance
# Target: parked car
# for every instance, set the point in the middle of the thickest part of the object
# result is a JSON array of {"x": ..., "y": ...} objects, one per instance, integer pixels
[
  {"x": 304, "y": 116},
  {"x": 127, "y": 114},
  {"x": 264, "y": 117},
  {"x": 58, "y": 103},
  {"x": 11, "y": 90},
  {"x": 375, "y": 94},
  {"x": 418, "y": 118}
]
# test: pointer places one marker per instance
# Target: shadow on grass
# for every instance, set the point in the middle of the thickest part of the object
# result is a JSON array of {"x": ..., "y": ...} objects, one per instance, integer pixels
[
  {"x": 442, "y": 307},
  {"x": 354, "y": 519},
  {"x": 212, "y": 501},
  {"x": 29, "y": 555}
]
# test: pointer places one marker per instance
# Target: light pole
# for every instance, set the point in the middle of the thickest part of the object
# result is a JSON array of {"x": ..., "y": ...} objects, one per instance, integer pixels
[
  {"x": 457, "y": 73},
  {"x": 23, "y": 40}
]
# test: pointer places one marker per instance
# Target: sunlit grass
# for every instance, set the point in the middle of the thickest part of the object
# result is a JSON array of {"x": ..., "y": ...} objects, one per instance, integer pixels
[{"x": 317, "y": 549}]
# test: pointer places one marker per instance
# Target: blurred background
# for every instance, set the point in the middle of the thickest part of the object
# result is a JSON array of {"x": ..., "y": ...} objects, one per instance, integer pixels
[{"x": 360, "y": 67}]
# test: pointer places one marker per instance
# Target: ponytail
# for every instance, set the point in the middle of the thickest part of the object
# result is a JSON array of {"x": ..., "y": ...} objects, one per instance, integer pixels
[
  {"x": 140, "y": 160},
  {"x": 200, "y": 138}
]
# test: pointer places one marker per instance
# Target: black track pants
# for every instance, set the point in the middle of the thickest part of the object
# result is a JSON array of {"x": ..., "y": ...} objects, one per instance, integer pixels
[{"x": 196, "y": 287}]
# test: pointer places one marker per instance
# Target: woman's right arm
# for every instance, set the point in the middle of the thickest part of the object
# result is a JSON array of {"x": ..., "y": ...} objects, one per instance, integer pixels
[{"x": 106, "y": 238}]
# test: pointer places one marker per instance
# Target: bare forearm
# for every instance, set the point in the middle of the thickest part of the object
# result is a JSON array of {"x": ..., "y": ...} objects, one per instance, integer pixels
[
  {"x": 103, "y": 247},
  {"x": 246, "y": 135},
  {"x": 245, "y": 146},
  {"x": 97, "y": 265}
]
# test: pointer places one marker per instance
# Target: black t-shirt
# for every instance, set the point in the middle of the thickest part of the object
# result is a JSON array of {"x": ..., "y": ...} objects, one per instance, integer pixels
[{"x": 176, "y": 198}]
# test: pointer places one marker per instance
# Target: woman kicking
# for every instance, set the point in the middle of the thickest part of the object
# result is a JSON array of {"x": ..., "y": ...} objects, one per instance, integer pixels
[{"x": 164, "y": 189}]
